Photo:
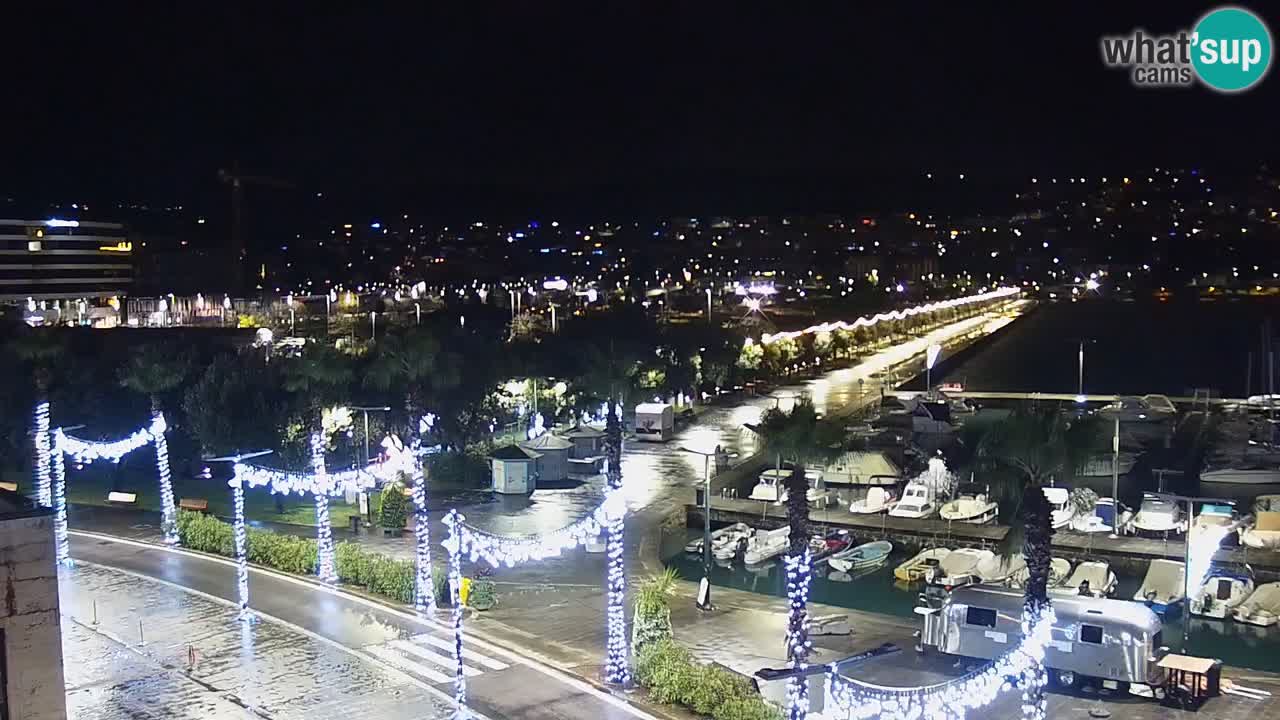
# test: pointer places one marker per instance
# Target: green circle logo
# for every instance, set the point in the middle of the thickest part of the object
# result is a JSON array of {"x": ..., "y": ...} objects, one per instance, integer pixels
[{"x": 1231, "y": 49}]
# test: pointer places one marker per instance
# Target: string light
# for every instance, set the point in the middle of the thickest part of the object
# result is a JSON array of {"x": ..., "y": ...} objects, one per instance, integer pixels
[
  {"x": 616, "y": 670},
  {"x": 241, "y": 538},
  {"x": 424, "y": 596},
  {"x": 454, "y": 545},
  {"x": 1022, "y": 667},
  {"x": 324, "y": 531},
  {"x": 890, "y": 316},
  {"x": 799, "y": 569},
  {"x": 41, "y": 438},
  {"x": 168, "y": 513},
  {"x": 63, "y": 546},
  {"x": 91, "y": 450}
]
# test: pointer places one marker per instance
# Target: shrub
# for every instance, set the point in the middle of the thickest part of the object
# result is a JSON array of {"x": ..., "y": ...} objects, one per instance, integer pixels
[
  {"x": 393, "y": 511},
  {"x": 205, "y": 533},
  {"x": 351, "y": 563},
  {"x": 283, "y": 552},
  {"x": 440, "y": 586},
  {"x": 653, "y": 614},
  {"x": 392, "y": 578},
  {"x": 672, "y": 676},
  {"x": 458, "y": 470},
  {"x": 656, "y": 660},
  {"x": 749, "y": 707},
  {"x": 482, "y": 595}
]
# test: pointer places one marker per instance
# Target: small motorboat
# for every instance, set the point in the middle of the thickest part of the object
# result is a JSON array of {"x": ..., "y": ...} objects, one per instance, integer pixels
[
  {"x": 959, "y": 567},
  {"x": 1091, "y": 577},
  {"x": 917, "y": 567},
  {"x": 1220, "y": 594},
  {"x": 862, "y": 557},
  {"x": 1059, "y": 571},
  {"x": 767, "y": 545},
  {"x": 1162, "y": 587},
  {"x": 1103, "y": 518},
  {"x": 1100, "y": 465},
  {"x": 823, "y": 546},
  {"x": 917, "y": 502},
  {"x": 1264, "y": 533},
  {"x": 727, "y": 535},
  {"x": 998, "y": 569},
  {"x": 1158, "y": 515},
  {"x": 769, "y": 489},
  {"x": 1244, "y": 472},
  {"x": 972, "y": 506},
  {"x": 1215, "y": 521},
  {"x": 865, "y": 467},
  {"x": 877, "y": 500},
  {"x": 1262, "y": 608},
  {"x": 1146, "y": 410},
  {"x": 1060, "y": 499}
]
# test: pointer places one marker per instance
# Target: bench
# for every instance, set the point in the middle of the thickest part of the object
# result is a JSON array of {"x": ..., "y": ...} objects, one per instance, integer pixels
[
  {"x": 122, "y": 498},
  {"x": 10, "y": 486},
  {"x": 193, "y": 504},
  {"x": 829, "y": 625}
]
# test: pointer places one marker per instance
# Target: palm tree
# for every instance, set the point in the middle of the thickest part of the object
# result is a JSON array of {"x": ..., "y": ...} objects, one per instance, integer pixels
[
  {"x": 799, "y": 437},
  {"x": 154, "y": 371},
  {"x": 1022, "y": 454},
  {"x": 41, "y": 350},
  {"x": 407, "y": 363}
]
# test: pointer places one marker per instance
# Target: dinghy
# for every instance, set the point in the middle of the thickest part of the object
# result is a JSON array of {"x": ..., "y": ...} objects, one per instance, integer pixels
[
  {"x": 996, "y": 569},
  {"x": 1162, "y": 587},
  {"x": 727, "y": 535},
  {"x": 1059, "y": 571},
  {"x": 914, "y": 570},
  {"x": 877, "y": 500},
  {"x": 862, "y": 557},
  {"x": 1158, "y": 515},
  {"x": 765, "y": 546},
  {"x": 1262, "y": 608},
  {"x": 972, "y": 506},
  {"x": 1101, "y": 582},
  {"x": 959, "y": 567},
  {"x": 1220, "y": 594},
  {"x": 823, "y": 546}
]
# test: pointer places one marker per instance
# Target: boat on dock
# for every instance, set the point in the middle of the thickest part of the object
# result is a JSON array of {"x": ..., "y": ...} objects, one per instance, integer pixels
[
  {"x": 821, "y": 547},
  {"x": 1145, "y": 410},
  {"x": 915, "y": 569},
  {"x": 765, "y": 546},
  {"x": 1091, "y": 577},
  {"x": 972, "y": 506},
  {"x": 1162, "y": 588},
  {"x": 769, "y": 489},
  {"x": 1060, "y": 499},
  {"x": 997, "y": 569},
  {"x": 1262, "y": 608},
  {"x": 1244, "y": 472},
  {"x": 864, "y": 467},
  {"x": 1103, "y": 518},
  {"x": 1100, "y": 465},
  {"x": 1264, "y": 533},
  {"x": 1158, "y": 515},
  {"x": 876, "y": 501},
  {"x": 959, "y": 567},
  {"x": 725, "y": 535},
  {"x": 1059, "y": 571},
  {"x": 1215, "y": 521},
  {"x": 1220, "y": 593},
  {"x": 863, "y": 557},
  {"x": 917, "y": 502}
]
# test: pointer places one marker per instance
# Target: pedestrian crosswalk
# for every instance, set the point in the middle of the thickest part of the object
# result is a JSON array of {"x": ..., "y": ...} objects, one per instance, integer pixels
[{"x": 430, "y": 657}]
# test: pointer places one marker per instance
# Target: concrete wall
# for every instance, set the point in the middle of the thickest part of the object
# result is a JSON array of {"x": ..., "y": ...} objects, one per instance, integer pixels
[{"x": 29, "y": 617}]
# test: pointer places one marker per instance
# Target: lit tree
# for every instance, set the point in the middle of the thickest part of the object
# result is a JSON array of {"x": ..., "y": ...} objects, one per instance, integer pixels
[
  {"x": 41, "y": 350},
  {"x": 155, "y": 370}
]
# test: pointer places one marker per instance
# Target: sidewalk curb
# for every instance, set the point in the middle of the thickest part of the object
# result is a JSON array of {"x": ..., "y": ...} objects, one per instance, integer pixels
[{"x": 471, "y": 614}]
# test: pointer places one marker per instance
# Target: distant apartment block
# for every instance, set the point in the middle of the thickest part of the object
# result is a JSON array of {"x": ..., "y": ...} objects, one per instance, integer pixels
[{"x": 64, "y": 260}]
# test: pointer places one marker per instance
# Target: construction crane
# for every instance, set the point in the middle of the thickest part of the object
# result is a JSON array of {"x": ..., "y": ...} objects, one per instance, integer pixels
[{"x": 237, "y": 181}]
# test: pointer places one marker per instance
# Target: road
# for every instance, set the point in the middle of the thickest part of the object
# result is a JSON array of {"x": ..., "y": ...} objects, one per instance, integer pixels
[{"x": 313, "y": 653}]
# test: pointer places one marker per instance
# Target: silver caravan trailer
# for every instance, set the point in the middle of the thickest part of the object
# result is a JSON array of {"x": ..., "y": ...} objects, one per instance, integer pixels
[{"x": 1098, "y": 638}]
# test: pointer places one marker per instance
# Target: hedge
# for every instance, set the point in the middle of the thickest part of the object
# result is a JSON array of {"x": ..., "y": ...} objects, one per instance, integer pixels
[
  {"x": 673, "y": 677},
  {"x": 379, "y": 574}
]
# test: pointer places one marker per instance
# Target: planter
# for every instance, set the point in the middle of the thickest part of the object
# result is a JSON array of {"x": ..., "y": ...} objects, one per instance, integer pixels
[{"x": 392, "y": 532}]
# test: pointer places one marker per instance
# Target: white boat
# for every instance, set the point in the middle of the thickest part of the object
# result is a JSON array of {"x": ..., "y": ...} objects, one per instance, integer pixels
[
  {"x": 1060, "y": 499},
  {"x": 917, "y": 502},
  {"x": 959, "y": 567},
  {"x": 724, "y": 534},
  {"x": 1217, "y": 521},
  {"x": 972, "y": 506},
  {"x": 877, "y": 500},
  {"x": 862, "y": 557},
  {"x": 1100, "y": 465},
  {"x": 767, "y": 545},
  {"x": 956, "y": 406},
  {"x": 1145, "y": 410},
  {"x": 769, "y": 489},
  {"x": 1059, "y": 571},
  {"x": 1158, "y": 514},
  {"x": 1220, "y": 593},
  {"x": 998, "y": 569},
  {"x": 1091, "y": 577},
  {"x": 1102, "y": 517},
  {"x": 1244, "y": 472},
  {"x": 1261, "y": 608},
  {"x": 868, "y": 467},
  {"x": 1264, "y": 533},
  {"x": 930, "y": 418},
  {"x": 915, "y": 569},
  {"x": 1162, "y": 587}
]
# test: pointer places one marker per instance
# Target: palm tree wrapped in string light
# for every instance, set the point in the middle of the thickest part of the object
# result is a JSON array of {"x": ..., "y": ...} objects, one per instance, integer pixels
[{"x": 156, "y": 370}]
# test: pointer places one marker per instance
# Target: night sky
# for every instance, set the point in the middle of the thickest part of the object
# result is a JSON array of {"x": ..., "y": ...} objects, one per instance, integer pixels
[{"x": 653, "y": 107}]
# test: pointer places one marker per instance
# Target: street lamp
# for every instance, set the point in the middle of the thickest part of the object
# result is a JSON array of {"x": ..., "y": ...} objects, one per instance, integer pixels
[
  {"x": 1080, "y": 372},
  {"x": 364, "y": 497},
  {"x": 704, "y": 588},
  {"x": 930, "y": 358}
]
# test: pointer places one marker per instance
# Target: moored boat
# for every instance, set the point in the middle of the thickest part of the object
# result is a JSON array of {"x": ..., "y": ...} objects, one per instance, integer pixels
[
  {"x": 1059, "y": 571},
  {"x": 959, "y": 567},
  {"x": 972, "y": 506},
  {"x": 862, "y": 557},
  {"x": 729, "y": 533},
  {"x": 914, "y": 570},
  {"x": 877, "y": 500},
  {"x": 1162, "y": 588},
  {"x": 1220, "y": 593},
  {"x": 767, "y": 545},
  {"x": 1262, "y": 608},
  {"x": 1158, "y": 514},
  {"x": 917, "y": 502},
  {"x": 1091, "y": 577}
]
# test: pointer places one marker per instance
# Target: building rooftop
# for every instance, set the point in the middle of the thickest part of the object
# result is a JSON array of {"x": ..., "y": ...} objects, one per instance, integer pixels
[{"x": 513, "y": 452}]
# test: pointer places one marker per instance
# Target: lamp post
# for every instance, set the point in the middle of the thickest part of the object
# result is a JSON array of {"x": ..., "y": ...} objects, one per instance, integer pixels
[
  {"x": 708, "y": 306},
  {"x": 930, "y": 358},
  {"x": 364, "y": 497},
  {"x": 1115, "y": 479},
  {"x": 704, "y": 589}
]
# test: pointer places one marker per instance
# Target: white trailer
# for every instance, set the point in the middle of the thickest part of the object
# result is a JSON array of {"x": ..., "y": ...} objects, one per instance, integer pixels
[{"x": 655, "y": 422}]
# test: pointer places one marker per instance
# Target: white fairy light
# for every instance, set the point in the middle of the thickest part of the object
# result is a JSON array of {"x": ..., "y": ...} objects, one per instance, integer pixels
[
  {"x": 1021, "y": 667},
  {"x": 41, "y": 438},
  {"x": 63, "y": 546},
  {"x": 168, "y": 514},
  {"x": 424, "y": 596},
  {"x": 616, "y": 670},
  {"x": 241, "y": 538},
  {"x": 799, "y": 570},
  {"x": 864, "y": 321},
  {"x": 454, "y": 545},
  {"x": 324, "y": 531},
  {"x": 91, "y": 450}
]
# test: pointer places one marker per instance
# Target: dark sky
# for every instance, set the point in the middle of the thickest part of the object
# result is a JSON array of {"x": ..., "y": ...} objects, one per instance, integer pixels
[{"x": 650, "y": 105}]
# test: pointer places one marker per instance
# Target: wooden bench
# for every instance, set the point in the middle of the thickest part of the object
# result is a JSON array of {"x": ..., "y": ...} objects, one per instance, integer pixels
[
  {"x": 122, "y": 498},
  {"x": 10, "y": 486},
  {"x": 193, "y": 504}
]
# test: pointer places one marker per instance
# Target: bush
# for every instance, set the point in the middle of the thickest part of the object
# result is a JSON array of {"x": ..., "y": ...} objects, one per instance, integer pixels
[
  {"x": 440, "y": 586},
  {"x": 749, "y": 707},
  {"x": 672, "y": 676},
  {"x": 289, "y": 553},
  {"x": 351, "y": 563},
  {"x": 482, "y": 595},
  {"x": 657, "y": 659},
  {"x": 393, "y": 511},
  {"x": 205, "y": 533},
  {"x": 458, "y": 470},
  {"x": 392, "y": 578},
  {"x": 652, "y": 612}
]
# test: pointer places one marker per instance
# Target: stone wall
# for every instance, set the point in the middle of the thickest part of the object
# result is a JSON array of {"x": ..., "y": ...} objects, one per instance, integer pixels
[{"x": 29, "y": 617}]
